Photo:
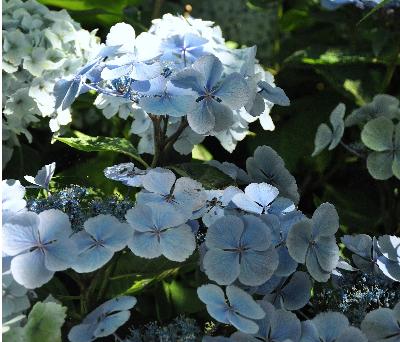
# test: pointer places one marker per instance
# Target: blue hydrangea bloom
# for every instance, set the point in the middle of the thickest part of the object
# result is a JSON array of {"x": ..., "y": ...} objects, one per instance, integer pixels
[
  {"x": 290, "y": 293},
  {"x": 216, "y": 99},
  {"x": 277, "y": 325},
  {"x": 382, "y": 325},
  {"x": 313, "y": 242},
  {"x": 43, "y": 177},
  {"x": 332, "y": 327},
  {"x": 104, "y": 320},
  {"x": 365, "y": 251},
  {"x": 236, "y": 173},
  {"x": 257, "y": 198},
  {"x": 389, "y": 261},
  {"x": 12, "y": 199},
  {"x": 268, "y": 167},
  {"x": 164, "y": 98},
  {"x": 40, "y": 244},
  {"x": 103, "y": 235},
  {"x": 240, "y": 310},
  {"x": 160, "y": 230},
  {"x": 273, "y": 94},
  {"x": 184, "y": 48},
  {"x": 161, "y": 186},
  {"x": 239, "y": 248},
  {"x": 217, "y": 201},
  {"x": 14, "y": 297},
  {"x": 280, "y": 227},
  {"x": 125, "y": 173}
]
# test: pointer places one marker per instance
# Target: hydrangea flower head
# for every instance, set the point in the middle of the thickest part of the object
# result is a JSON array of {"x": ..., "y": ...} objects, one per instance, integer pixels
[
  {"x": 267, "y": 166},
  {"x": 104, "y": 320},
  {"x": 257, "y": 198},
  {"x": 161, "y": 186},
  {"x": 277, "y": 325},
  {"x": 126, "y": 173},
  {"x": 330, "y": 326},
  {"x": 313, "y": 242},
  {"x": 40, "y": 245},
  {"x": 382, "y": 324},
  {"x": 239, "y": 248},
  {"x": 103, "y": 235},
  {"x": 12, "y": 198},
  {"x": 159, "y": 229},
  {"x": 216, "y": 98},
  {"x": 240, "y": 310}
]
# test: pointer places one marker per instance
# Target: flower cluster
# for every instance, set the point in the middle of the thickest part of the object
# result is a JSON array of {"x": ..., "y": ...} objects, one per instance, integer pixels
[
  {"x": 261, "y": 255},
  {"x": 379, "y": 122},
  {"x": 79, "y": 205},
  {"x": 179, "y": 77},
  {"x": 39, "y": 47}
]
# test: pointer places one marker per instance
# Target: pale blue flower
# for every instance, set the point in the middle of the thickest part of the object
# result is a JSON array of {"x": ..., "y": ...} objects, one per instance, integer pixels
[
  {"x": 104, "y": 320},
  {"x": 159, "y": 229},
  {"x": 239, "y": 248},
  {"x": 290, "y": 293},
  {"x": 161, "y": 186},
  {"x": 330, "y": 327},
  {"x": 277, "y": 326},
  {"x": 43, "y": 176},
  {"x": 365, "y": 251},
  {"x": 313, "y": 242},
  {"x": 125, "y": 173},
  {"x": 389, "y": 262},
  {"x": 103, "y": 235},
  {"x": 163, "y": 98},
  {"x": 267, "y": 166},
  {"x": 216, "y": 99},
  {"x": 280, "y": 227},
  {"x": 40, "y": 245},
  {"x": 14, "y": 298},
  {"x": 217, "y": 201},
  {"x": 257, "y": 198},
  {"x": 185, "y": 48},
  {"x": 240, "y": 310},
  {"x": 273, "y": 94},
  {"x": 12, "y": 198},
  {"x": 382, "y": 325}
]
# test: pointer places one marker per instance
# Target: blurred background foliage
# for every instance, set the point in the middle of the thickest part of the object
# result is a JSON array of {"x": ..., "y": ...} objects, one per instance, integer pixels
[{"x": 319, "y": 58}]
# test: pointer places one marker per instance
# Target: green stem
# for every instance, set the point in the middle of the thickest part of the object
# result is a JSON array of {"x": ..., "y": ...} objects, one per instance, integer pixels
[
  {"x": 157, "y": 8},
  {"x": 391, "y": 68},
  {"x": 106, "y": 276}
]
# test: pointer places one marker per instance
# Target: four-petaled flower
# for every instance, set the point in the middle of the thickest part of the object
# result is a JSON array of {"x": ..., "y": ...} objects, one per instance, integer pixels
[
  {"x": 216, "y": 99},
  {"x": 160, "y": 230},
  {"x": 313, "y": 242},
  {"x": 104, "y": 320},
  {"x": 103, "y": 235},
  {"x": 239, "y": 248},
  {"x": 40, "y": 244},
  {"x": 240, "y": 310}
]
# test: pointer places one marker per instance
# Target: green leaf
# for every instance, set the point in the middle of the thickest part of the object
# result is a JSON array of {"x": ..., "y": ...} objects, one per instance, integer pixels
[
  {"x": 322, "y": 138},
  {"x": 87, "y": 143},
  {"x": 208, "y": 176},
  {"x": 199, "y": 152},
  {"x": 377, "y": 134}
]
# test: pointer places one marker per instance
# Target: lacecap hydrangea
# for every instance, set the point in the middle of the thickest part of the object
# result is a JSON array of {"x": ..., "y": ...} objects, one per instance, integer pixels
[
  {"x": 335, "y": 4},
  {"x": 179, "y": 78},
  {"x": 39, "y": 47}
]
